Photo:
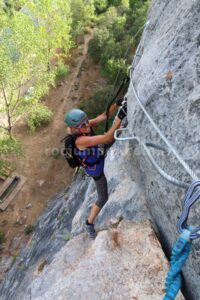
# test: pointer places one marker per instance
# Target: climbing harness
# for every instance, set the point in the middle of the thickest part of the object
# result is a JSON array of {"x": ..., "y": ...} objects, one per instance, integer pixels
[{"x": 182, "y": 246}]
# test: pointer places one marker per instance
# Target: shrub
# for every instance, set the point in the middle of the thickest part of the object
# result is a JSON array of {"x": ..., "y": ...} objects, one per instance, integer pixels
[
  {"x": 10, "y": 146},
  {"x": 119, "y": 28},
  {"x": 101, "y": 36},
  {"x": 29, "y": 229},
  {"x": 83, "y": 14},
  {"x": 3, "y": 165},
  {"x": 136, "y": 16},
  {"x": 100, "y": 6},
  {"x": 112, "y": 50},
  {"x": 62, "y": 70},
  {"x": 39, "y": 115},
  {"x": 113, "y": 67},
  {"x": 88, "y": 30},
  {"x": 109, "y": 18},
  {"x": 114, "y": 2}
]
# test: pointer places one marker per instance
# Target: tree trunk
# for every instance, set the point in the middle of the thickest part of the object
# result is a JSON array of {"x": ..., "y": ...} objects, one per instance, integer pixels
[
  {"x": 9, "y": 121},
  {"x": 10, "y": 127}
]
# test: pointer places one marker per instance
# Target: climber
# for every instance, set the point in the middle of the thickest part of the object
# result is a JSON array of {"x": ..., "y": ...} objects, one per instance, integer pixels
[{"x": 89, "y": 153}]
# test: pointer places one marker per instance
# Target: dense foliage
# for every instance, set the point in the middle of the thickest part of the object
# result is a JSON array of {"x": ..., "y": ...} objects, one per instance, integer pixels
[
  {"x": 36, "y": 37},
  {"x": 31, "y": 33},
  {"x": 114, "y": 39},
  {"x": 116, "y": 29}
]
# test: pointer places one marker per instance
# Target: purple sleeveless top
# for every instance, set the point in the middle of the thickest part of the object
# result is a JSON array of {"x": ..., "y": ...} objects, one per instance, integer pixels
[{"x": 92, "y": 160}]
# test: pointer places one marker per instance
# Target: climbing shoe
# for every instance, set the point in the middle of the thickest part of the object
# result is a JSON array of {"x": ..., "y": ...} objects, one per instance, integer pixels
[{"x": 89, "y": 228}]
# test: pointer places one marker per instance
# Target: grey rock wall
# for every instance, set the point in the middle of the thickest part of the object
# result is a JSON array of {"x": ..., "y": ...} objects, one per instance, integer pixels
[
  {"x": 64, "y": 218},
  {"x": 52, "y": 231},
  {"x": 123, "y": 263},
  {"x": 167, "y": 80}
]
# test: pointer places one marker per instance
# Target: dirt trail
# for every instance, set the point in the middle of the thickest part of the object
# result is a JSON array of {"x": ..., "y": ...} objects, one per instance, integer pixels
[
  {"x": 45, "y": 174},
  {"x": 68, "y": 89}
]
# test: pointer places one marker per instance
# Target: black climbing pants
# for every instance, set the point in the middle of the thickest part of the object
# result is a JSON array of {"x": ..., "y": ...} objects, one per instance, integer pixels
[{"x": 102, "y": 190}]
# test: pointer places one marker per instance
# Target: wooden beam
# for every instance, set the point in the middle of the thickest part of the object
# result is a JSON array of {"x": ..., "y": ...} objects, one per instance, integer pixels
[{"x": 14, "y": 192}]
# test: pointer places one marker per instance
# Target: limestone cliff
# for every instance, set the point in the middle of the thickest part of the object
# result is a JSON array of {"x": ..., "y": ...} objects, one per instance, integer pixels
[
  {"x": 128, "y": 257},
  {"x": 167, "y": 80}
]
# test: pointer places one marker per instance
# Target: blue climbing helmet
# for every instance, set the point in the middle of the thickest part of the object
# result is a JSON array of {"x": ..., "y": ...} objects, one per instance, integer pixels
[{"x": 76, "y": 118}]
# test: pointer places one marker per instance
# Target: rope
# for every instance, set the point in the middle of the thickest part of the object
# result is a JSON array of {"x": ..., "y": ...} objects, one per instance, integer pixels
[
  {"x": 182, "y": 247},
  {"x": 180, "y": 253},
  {"x": 145, "y": 146},
  {"x": 190, "y": 198},
  {"x": 172, "y": 149},
  {"x": 168, "y": 177}
]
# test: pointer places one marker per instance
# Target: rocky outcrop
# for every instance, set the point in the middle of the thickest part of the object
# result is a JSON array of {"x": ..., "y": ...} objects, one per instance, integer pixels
[
  {"x": 125, "y": 262},
  {"x": 64, "y": 217}
]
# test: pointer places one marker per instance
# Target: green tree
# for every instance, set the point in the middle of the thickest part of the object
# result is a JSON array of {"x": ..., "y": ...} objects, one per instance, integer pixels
[
  {"x": 118, "y": 28},
  {"x": 17, "y": 65},
  {"x": 136, "y": 16},
  {"x": 100, "y": 6},
  {"x": 10, "y": 6},
  {"x": 97, "y": 44},
  {"x": 114, "y": 2},
  {"x": 28, "y": 42},
  {"x": 113, "y": 40},
  {"x": 83, "y": 11},
  {"x": 110, "y": 17},
  {"x": 53, "y": 26}
]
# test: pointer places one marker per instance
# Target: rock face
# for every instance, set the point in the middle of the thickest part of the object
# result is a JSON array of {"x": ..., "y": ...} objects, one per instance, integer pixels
[
  {"x": 122, "y": 263},
  {"x": 64, "y": 218},
  {"x": 167, "y": 80}
]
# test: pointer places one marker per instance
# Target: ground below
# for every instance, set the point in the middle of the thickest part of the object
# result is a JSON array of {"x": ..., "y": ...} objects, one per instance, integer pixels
[{"x": 45, "y": 174}]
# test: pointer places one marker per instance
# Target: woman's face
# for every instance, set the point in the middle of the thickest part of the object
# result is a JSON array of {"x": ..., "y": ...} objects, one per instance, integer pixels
[{"x": 85, "y": 128}]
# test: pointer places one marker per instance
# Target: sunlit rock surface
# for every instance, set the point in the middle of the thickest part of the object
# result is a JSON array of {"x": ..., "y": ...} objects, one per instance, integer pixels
[{"x": 125, "y": 262}]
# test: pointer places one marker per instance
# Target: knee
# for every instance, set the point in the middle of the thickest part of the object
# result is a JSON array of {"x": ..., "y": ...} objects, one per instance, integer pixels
[{"x": 101, "y": 202}]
